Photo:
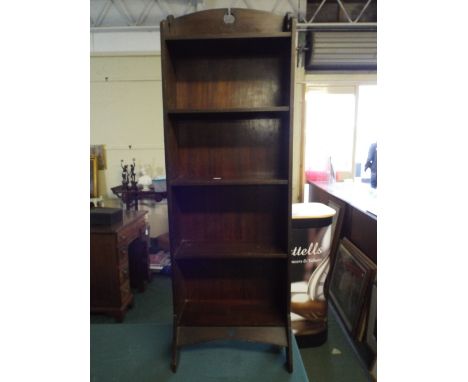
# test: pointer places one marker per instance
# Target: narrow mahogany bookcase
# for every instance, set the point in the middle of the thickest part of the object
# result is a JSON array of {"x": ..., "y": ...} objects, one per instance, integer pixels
[{"x": 228, "y": 106}]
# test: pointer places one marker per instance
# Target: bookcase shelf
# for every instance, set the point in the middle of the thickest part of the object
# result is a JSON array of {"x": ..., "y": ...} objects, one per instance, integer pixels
[
  {"x": 187, "y": 182},
  {"x": 227, "y": 250},
  {"x": 232, "y": 110},
  {"x": 228, "y": 214},
  {"x": 231, "y": 313},
  {"x": 244, "y": 74},
  {"x": 229, "y": 145},
  {"x": 228, "y": 137},
  {"x": 232, "y": 292}
]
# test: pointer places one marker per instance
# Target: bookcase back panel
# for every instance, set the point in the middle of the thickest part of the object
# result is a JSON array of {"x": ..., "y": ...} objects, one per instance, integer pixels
[
  {"x": 236, "y": 73},
  {"x": 231, "y": 148},
  {"x": 250, "y": 279},
  {"x": 233, "y": 214},
  {"x": 233, "y": 292}
]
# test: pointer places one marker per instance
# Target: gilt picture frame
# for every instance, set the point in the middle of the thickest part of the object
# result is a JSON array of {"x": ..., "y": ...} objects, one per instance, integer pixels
[
  {"x": 371, "y": 331},
  {"x": 99, "y": 151},
  {"x": 93, "y": 170},
  {"x": 350, "y": 283}
]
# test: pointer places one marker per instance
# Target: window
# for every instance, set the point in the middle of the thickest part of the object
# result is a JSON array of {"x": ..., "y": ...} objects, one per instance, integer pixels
[
  {"x": 366, "y": 127},
  {"x": 340, "y": 126}
]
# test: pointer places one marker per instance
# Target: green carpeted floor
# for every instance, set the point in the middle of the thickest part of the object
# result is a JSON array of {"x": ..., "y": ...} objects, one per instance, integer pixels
[{"x": 139, "y": 350}]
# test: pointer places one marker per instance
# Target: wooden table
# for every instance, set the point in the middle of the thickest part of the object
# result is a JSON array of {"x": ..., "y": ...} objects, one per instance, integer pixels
[
  {"x": 132, "y": 196},
  {"x": 359, "y": 203}
]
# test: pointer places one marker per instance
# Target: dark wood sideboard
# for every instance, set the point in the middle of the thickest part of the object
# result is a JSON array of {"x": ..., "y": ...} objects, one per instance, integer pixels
[
  {"x": 359, "y": 225},
  {"x": 119, "y": 262}
]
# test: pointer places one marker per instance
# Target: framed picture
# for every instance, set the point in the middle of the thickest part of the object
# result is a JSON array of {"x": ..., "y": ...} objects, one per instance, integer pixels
[
  {"x": 371, "y": 332},
  {"x": 350, "y": 284},
  {"x": 93, "y": 170},
  {"x": 337, "y": 223},
  {"x": 373, "y": 371}
]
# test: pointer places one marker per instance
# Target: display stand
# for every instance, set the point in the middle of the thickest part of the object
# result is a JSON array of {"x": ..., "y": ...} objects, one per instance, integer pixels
[{"x": 310, "y": 265}]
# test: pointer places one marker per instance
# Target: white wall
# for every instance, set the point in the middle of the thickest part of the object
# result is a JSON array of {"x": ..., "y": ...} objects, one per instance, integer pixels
[
  {"x": 126, "y": 116},
  {"x": 340, "y": 79},
  {"x": 125, "y": 42}
]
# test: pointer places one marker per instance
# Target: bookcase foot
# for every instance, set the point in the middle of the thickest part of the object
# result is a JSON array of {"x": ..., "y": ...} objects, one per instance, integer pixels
[
  {"x": 175, "y": 356},
  {"x": 289, "y": 361}
]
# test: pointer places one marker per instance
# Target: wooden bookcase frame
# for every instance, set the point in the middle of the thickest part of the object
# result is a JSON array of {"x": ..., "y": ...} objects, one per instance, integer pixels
[{"x": 228, "y": 112}]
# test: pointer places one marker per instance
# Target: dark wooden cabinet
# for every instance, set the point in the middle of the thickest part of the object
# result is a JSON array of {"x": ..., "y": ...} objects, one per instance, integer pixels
[
  {"x": 228, "y": 137},
  {"x": 119, "y": 261},
  {"x": 360, "y": 228}
]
